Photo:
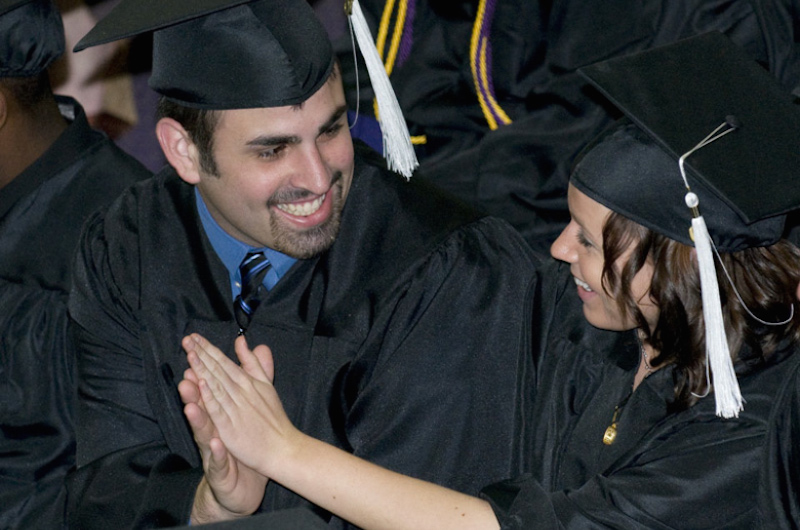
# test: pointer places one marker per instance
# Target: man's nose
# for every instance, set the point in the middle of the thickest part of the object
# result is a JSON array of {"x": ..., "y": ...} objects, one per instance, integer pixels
[{"x": 313, "y": 175}]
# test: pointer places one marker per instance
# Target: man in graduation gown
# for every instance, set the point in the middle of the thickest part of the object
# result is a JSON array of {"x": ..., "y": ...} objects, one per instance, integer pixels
[
  {"x": 54, "y": 172},
  {"x": 491, "y": 89},
  {"x": 400, "y": 337}
]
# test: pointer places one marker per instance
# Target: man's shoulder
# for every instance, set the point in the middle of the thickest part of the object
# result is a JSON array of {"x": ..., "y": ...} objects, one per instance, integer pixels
[
  {"x": 156, "y": 191},
  {"x": 393, "y": 227},
  {"x": 145, "y": 214},
  {"x": 416, "y": 213},
  {"x": 415, "y": 206},
  {"x": 137, "y": 240}
]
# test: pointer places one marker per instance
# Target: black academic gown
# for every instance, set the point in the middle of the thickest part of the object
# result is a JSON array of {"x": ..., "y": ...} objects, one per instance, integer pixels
[
  {"x": 520, "y": 171},
  {"x": 690, "y": 469},
  {"x": 41, "y": 213},
  {"x": 402, "y": 344},
  {"x": 780, "y": 486}
]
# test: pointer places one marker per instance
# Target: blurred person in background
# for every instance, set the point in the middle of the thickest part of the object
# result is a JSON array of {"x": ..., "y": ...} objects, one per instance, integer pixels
[{"x": 54, "y": 172}]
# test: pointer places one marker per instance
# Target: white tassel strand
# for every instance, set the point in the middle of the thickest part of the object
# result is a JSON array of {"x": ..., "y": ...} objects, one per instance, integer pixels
[
  {"x": 727, "y": 395},
  {"x": 397, "y": 147}
]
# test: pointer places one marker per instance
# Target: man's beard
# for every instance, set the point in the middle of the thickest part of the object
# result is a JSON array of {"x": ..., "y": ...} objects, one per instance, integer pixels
[{"x": 309, "y": 243}]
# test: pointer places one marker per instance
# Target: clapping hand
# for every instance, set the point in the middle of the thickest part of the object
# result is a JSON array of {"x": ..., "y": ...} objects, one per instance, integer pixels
[
  {"x": 229, "y": 488},
  {"x": 249, "y": 422}
]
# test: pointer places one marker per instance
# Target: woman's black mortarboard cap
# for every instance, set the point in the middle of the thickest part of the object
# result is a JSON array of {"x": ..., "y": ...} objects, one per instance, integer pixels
[
  {"x": 226, "y": 54},
  {"x": 713, "y": 147},
  {"x": 677, "y": 95},
  {"x": 31, "y": 37}
]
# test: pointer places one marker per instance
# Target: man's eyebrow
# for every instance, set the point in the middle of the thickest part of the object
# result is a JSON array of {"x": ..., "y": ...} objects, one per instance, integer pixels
[
  {"x": 333, "y": 119},
  {"x": 267, "y": 141}
]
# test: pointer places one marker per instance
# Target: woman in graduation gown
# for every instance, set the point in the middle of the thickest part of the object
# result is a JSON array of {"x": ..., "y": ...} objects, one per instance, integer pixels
[
  {"x": 639, "y": 419},
  {"x": 780, "y": 488}
]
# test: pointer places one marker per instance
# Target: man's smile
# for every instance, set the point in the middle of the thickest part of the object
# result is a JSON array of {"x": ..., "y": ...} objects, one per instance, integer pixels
[{"x": 302, "y": 209}]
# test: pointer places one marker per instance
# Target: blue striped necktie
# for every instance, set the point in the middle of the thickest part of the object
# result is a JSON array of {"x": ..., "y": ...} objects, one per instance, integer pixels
[{"x": 253, "y": 269}]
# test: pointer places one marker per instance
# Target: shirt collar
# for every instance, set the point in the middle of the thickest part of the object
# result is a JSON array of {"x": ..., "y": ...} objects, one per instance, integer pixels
[{"x": 232, "y": 251}]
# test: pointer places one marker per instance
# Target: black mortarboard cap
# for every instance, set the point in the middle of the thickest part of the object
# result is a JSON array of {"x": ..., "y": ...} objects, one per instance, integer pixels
[
  {"x": 226, "y": 54},
  {"x": 677, "y": 95},
  {"x": 31, "y": 37}
]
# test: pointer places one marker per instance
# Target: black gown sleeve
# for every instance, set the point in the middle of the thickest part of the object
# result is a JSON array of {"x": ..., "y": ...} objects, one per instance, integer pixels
[
  {"x": 36, "y": 375},
  {"x": 699, "y": 474},
  {"x": 780, "y": 480},
  {"x": 446, "y": 392},
  {"x": 126, "y": 476}
]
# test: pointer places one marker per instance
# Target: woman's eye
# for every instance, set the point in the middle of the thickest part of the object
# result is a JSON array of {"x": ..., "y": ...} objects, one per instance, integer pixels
[{"x": 583, "y": 241}]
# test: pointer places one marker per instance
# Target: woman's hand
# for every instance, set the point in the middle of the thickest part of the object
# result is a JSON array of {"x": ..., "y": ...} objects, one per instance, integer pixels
[
  {"x": 242, "y": 403},
  {"x": 250, "y": 420}
]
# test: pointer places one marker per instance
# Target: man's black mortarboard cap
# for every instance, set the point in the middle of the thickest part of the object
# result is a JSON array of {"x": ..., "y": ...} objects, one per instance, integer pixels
[
  {"x": 226, "y": 54},
  {"x": 676, "y": 96},
  {"x": 31, "y": 37}
]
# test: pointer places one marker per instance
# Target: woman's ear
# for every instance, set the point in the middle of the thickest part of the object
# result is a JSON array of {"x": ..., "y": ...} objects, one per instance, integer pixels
[{"x": 180, "y": 151}]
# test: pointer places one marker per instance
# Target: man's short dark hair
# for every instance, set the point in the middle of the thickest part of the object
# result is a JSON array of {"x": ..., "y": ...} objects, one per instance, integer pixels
[{"x": 199, "y": 123}]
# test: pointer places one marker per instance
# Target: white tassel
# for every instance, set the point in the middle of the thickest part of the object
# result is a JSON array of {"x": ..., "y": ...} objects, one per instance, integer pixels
[
  {"x": 397, "y": 147},
  {"x": 727, "y": 394},
  {"x": 726, "y": 387}
]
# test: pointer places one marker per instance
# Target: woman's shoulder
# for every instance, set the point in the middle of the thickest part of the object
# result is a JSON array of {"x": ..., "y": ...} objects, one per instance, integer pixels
[{"x": 780, "y": 481}]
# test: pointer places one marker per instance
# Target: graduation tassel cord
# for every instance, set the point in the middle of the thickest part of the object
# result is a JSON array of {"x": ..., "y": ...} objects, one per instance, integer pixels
[
  {"x": 397, "y": 147},
  {"x": 726, "y": 387},
  {"x": 727, "y": 395}
]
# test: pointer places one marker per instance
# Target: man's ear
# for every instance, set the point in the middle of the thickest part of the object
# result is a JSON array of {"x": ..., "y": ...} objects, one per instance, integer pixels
[{"x": 180, "y": 151}]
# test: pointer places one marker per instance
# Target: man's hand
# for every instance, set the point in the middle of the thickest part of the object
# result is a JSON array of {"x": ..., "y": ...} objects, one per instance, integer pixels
[{"x": 229, "y": 489}]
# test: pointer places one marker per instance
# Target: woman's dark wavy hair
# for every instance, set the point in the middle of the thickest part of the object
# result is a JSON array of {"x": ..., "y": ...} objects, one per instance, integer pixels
[{"x": 765, "y": 277}]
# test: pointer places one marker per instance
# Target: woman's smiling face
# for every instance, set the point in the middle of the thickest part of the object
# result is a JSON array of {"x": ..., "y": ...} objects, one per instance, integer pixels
[{"x": 581, "y": 245}]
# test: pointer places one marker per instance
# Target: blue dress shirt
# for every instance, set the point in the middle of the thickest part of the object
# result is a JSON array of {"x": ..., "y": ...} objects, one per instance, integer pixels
[{"x": 232, "y": 251}]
